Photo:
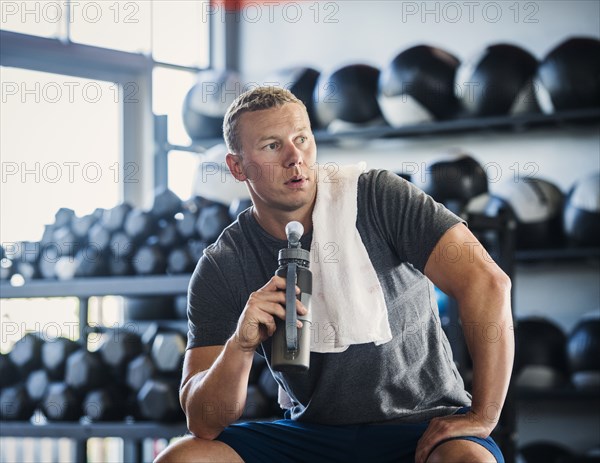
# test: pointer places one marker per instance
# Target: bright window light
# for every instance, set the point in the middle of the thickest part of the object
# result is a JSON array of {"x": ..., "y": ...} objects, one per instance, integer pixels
[
  {"x": 180, "y": 32},
  {"x": 121, "y": 25},
  {"x": 169, "y": 88},
  {"x": 60, "y": 147},
  {"x": 182, "y": 168},
  {"x": 45, "y": 19}
]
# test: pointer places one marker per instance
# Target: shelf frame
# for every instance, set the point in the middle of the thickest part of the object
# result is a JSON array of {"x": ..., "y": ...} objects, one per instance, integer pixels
[
  {"x": 99, "y": 286},
  {"x": 447, "y": 127}
]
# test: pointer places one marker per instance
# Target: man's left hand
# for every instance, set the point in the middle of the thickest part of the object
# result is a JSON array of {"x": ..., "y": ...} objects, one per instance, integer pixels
[{"x": 445, "y": 427}]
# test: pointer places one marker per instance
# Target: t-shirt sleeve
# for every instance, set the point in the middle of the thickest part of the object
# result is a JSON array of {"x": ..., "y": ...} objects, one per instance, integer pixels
[
  {"x": 411, "y": 221},
  {"x": 212, "y": 313}
]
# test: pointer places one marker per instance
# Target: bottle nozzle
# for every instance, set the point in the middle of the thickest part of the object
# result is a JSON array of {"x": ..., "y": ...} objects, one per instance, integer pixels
[{"x": 294, "y": 231}]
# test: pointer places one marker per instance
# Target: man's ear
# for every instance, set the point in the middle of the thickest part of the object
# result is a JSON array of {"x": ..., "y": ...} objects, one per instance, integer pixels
[{"x": 234, "y": 162}]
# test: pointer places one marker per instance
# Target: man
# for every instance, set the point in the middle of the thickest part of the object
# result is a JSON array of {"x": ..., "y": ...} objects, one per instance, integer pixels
[{"x": 401, "y": 400}]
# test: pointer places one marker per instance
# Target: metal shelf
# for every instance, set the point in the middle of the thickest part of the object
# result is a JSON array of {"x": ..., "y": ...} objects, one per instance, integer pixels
[
  {"x": 460, "y": 125},
  {"x": 99, "y": 286},
  {"x": 530, "y": 255},
  {"x": 521, "y": 122},
  {"x": 81, "y": 431},
  {"x": 564, "y": 393}
]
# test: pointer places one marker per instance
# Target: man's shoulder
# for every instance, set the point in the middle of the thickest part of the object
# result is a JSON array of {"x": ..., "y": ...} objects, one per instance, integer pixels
[
  {"x": 376, "y": 179},
  {"x": 227, "y": 243}
]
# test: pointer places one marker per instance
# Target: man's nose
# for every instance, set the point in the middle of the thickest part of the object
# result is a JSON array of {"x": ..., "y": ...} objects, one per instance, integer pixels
[{"x": 293, "y": 155}]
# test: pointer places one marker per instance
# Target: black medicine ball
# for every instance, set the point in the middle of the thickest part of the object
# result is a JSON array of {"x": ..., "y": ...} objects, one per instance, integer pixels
[
  {"x": 497, "y": 82},
  {"x": 418, "y": 86},
  {"x": 537, "y": 205},
  {"x": 207, "y": 101},
  {"x": 581, "y": 218},
  {"x": 456, "y": 181},
  {"x": 569, "y": 76},
  {"x": 583, "y": 348},
  {"x": 349, "y": 94},
  {"x": 540, "y": 354},
  {"x": 301, "y": 81}
]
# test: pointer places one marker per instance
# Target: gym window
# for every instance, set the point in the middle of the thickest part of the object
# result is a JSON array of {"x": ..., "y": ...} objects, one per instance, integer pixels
[{"x": 80, "y": 81}]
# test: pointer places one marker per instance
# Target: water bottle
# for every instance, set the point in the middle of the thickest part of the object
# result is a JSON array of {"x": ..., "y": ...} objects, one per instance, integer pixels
[{"x": 291, "y": 345}]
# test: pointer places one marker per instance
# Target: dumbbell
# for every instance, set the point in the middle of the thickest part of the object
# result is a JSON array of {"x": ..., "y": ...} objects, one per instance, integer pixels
[
  {"x": 36, "y": 385},
  {"x": 54, "y": 356},
  {"x": 81, "y": 226},
  {"x": 212, "y": 220},
  {"x": 10, "y": 374},
  {"x": 23, "y": 257},
  {"x": 47, "y": 235},
  {"x": 88, "y": 262},
  {"x": 61, "y": 403},
  {"x": 158, "y": 400},
  {"x": 114, "y": 219},
  {"x": 63, "y": 217},
  {"x": 118, "y": 348},
  {"x": 24, "y": 251},
  {"x": 166, "y": 347},
  {"x": 26, "y": 354},
  {"x": 185, "y": 221},
  {"x": 15, "y": 404},
  {"x": 99, "y": 236},
  {"x": 166, "y": 204},
  {"x": 121, "y": 244},
  {"x": 196, "y": 249},
  {"x": 139, "y": 225},
  {"x": 85, "y": 371},
  {"x": 67, "y": 242},
  {"x": 106, "y": 404},
  {"x": 120, "y": 266},
  {"x": 180, "y": 261},
  {"x": 150, "y": 258},
  {"x": 27, "y": 270},
  {"x": 6, "y": 269},
  {"x": 180, "y": 306},
  {"x": 49, "y": 256},
  {"x": 238, "y": 206},
  {"x": 167, "y": 235},
  {"x": 140, "y": 370}
]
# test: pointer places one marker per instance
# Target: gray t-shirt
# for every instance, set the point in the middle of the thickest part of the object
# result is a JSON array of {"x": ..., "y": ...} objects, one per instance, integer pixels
[{"x": 408, "y": 379}]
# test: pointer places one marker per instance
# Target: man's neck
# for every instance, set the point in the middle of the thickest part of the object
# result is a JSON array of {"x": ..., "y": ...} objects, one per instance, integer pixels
[{"x": 274, "y": 223}]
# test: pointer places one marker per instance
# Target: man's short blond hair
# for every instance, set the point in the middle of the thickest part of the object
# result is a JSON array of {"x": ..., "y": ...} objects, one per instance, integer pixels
[{"x": 253, "y": 100}]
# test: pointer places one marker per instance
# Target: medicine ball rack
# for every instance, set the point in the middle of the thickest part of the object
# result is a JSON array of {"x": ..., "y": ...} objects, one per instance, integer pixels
[{"x": 459, "y": 125}]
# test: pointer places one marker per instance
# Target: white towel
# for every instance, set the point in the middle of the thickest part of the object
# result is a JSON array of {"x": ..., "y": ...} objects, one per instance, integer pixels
[{"x": 348, "y": 306}]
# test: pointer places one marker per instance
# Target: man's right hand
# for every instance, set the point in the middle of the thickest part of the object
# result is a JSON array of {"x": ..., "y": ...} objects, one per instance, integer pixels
[{"x": 257, "y": 321}]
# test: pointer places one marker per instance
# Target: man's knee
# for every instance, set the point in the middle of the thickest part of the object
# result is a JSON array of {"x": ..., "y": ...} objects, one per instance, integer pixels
[
  {"x": 460, "y": 451},
  {"x": 193, "y": 449}
]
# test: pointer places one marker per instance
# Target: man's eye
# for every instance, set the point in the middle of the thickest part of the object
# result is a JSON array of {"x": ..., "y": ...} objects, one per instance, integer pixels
[
  {"x": 302, "y": 139},
  {"x": 271, "y": 146}
]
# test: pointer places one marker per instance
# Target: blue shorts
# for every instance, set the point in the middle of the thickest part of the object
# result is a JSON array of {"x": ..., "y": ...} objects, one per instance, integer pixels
[{"x": 289, "y": 441}]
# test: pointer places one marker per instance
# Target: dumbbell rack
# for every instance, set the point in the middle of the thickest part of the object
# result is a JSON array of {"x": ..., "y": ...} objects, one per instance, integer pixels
[{"x": 132, "y": 433}]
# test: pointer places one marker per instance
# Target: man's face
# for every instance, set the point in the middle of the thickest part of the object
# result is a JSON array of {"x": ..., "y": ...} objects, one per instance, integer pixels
[{"x": 278, "y": 157}]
